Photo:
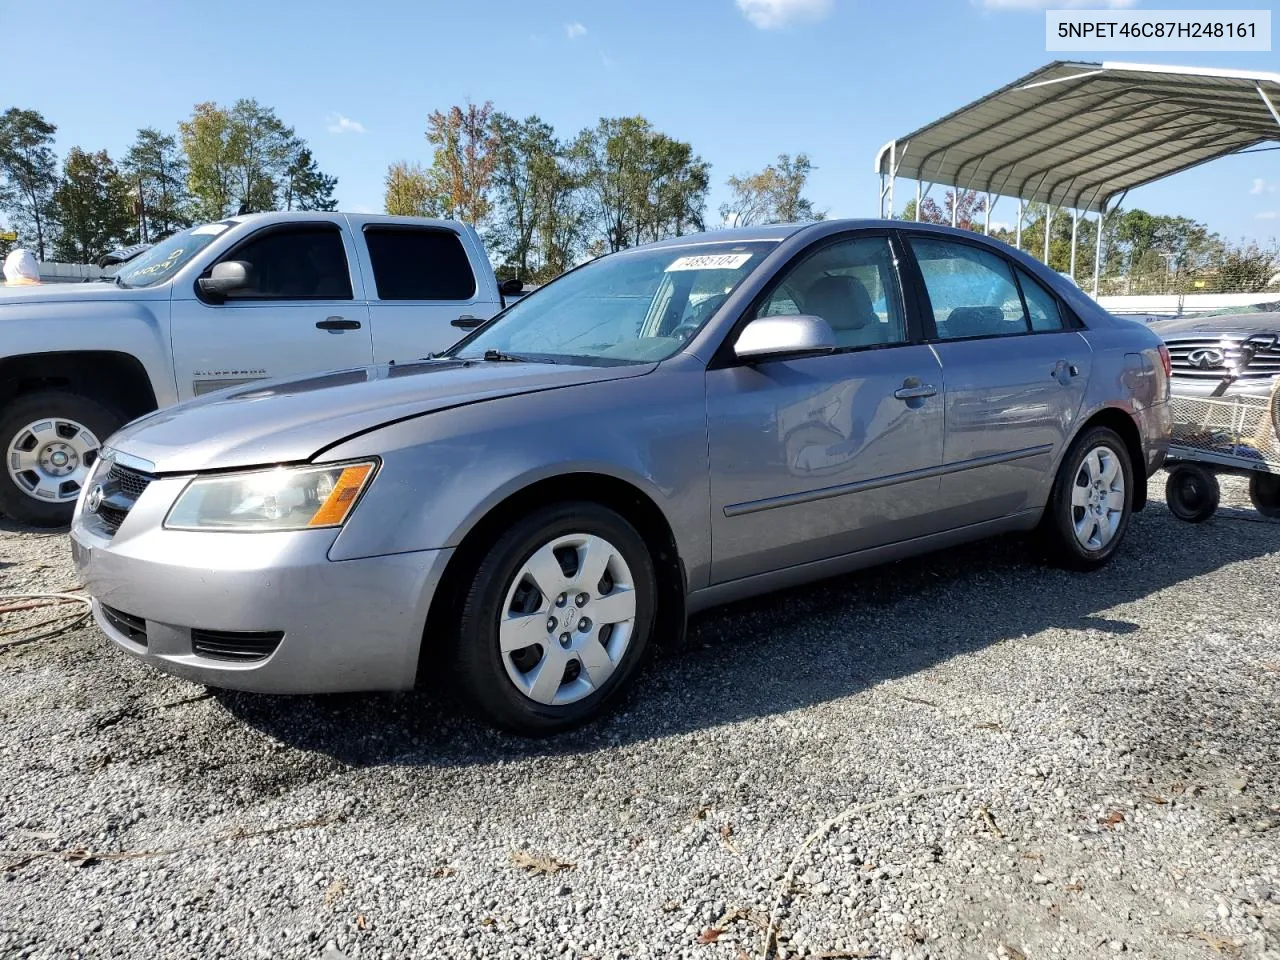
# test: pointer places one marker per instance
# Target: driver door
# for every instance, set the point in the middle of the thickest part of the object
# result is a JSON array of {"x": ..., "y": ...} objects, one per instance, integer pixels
[
  {"x": 302, "y": 314},
  {"x": 821, "y": 456}
]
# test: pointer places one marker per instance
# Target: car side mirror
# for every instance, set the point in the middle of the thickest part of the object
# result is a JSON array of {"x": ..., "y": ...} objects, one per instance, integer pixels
[
  {"x": 769, "y": 338},
  {"x": 226, "y": 278}
]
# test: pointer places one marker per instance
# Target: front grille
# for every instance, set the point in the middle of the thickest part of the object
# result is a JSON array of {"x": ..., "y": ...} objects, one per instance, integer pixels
[
  {"x": 1215, "y": 358},
  {"x": 121, "y": 488},
  {"x": 135, "y": 628},
  {"x": 239, "y": 645}
]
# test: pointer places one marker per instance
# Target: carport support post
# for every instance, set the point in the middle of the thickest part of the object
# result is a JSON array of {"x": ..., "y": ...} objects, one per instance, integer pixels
[
  {"x": 919, "y": 199},
  {"x": 1018, "y": 238},
  {"x": 1048, "y": 222},
  {"x": 1097, "y": 250},
  {"x": 1075, "y": 225}
]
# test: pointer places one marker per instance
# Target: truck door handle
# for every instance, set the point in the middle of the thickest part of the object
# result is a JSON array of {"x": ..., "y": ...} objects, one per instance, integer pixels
[
  {"x": 467, "y": 321},
  {"x": 337, "y": 324},
  {"x": 915, "y": 391}
]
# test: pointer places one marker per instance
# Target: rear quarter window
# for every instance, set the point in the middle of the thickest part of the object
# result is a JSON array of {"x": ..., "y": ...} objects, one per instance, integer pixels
[{"x": 411, "y": 263}]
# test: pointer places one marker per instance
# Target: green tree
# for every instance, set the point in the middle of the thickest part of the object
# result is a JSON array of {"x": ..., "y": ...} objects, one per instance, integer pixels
[
  {"x": 466, "y": 154},
  {"x": 29, "y": 175},
  {"x": 527, "y": 184},
  {"x": 157, "y": 173},
  {"x": 640, "y": 184},
  {"x": 305, "y": 187},
  {"x": 93, "y": 206},
  {"x": 207, "y": 143},
  {"x": 263, "y": 149},
  {"x": 409, "y": 191},
  {"x": 774, "y": 195}
]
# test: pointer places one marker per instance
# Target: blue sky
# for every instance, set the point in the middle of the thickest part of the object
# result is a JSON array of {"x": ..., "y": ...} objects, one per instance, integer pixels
[{"x": 742, "y": 80}]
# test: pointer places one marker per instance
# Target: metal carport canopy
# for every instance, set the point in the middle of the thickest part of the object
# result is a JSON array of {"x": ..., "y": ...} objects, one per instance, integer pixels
[{"x": 1079, "y": 134}]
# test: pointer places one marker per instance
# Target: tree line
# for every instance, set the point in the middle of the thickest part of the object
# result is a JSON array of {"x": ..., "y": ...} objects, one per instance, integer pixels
[
  {"x": 543, "y": 202},
  {"x": 1142, "y": 252},
  {"x": 221, "y": 161}
]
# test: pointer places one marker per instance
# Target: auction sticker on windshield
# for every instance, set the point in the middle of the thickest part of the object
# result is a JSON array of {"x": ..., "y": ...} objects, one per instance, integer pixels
[{"x": 716, "y": 261}]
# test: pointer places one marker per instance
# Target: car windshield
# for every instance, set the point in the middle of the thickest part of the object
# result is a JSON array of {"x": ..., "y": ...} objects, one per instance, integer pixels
[
  {"x": 637, "y": 306},
  {"x": 168, "y": 256}
]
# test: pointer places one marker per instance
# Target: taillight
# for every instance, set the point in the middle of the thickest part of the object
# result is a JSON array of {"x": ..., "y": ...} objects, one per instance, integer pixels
[{"x": 1165, "y": 360}]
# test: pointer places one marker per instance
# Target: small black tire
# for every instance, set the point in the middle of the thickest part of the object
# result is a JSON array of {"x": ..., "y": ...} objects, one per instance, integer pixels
[
  {"x": 94, "y": 416},
  {"x": 1057, "y": 531},
  {"x": 1264, "y": 493},
  {"x": 480, "y": 667},
  {"x": 1192, "y": 492}
]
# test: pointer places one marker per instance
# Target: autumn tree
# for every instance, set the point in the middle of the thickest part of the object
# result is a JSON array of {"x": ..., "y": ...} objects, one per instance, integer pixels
[
  {"x": 157, "y": 172},
  {"x": 93, "y": 207},
  {"x": 28, "y": 175},
  {"x": 969, "y": 210},
  {"x": 774, "y": 195},
  {"x": 408, "y": 191},
  {"x": 465, "y": 156}
]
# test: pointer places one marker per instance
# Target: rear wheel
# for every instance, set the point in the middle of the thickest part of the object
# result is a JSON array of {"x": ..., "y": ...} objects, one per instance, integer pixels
[
  {"x": 1264, "y": 491},
  {"x": 1192, "y": 492},
  {"x": 50, "y": 442},
  {"x": 556, "y": 619},
  {"x": 1091, "y": 502}
]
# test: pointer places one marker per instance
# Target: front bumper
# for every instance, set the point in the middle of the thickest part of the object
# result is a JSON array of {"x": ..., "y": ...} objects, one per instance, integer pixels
[{"x": 349, "y": 625}]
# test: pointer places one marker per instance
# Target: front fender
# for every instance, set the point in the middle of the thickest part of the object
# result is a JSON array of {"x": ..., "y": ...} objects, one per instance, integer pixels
[{"x": 442, "y": 473}]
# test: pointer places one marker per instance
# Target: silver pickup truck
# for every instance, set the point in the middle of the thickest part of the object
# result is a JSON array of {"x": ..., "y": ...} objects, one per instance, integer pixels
[{"x": 246, "y": 298}]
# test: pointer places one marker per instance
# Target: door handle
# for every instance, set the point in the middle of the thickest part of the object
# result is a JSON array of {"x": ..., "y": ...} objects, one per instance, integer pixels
[
  {"x": 915, "y": 391},
  {"x": 337, "y": 324},
  {"x": 467, "y": 321}
]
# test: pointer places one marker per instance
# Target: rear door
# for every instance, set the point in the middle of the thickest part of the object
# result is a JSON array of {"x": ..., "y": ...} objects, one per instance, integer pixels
[
  {"x": 1015, "y": 369},
  {"x": 304, "y": 312},
  {"x": 820, "y": 456},
  {"x": 424, "y": 295}
]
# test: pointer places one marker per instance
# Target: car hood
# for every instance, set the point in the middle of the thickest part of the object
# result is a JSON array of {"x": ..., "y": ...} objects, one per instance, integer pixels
[
  {"x": 72, "y": 292},
  {"x": 1229, "y": 324},
  {"x": 284, "y": 421}
]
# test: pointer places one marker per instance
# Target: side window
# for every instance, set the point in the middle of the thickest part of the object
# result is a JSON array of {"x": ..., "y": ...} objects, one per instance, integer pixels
[
  {"x": 971, "y": 290},
  {"x": 853, "y": 285},
  {"x": 419, "y": 264},
  {"x": 1042, "y": 306},
  {"x": 302, "y": 263}
]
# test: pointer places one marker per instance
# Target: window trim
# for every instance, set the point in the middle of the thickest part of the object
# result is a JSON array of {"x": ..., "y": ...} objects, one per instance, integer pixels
[
  {"x": 1071, "y": 322},
  {"x": 318, "y": 226},
  {"x": 418, "y": 228},
  {"x": 724, "y": 356}
]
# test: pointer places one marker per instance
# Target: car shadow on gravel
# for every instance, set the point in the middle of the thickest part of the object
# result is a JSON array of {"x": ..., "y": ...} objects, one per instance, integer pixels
[{"x": 791, "y": 649}]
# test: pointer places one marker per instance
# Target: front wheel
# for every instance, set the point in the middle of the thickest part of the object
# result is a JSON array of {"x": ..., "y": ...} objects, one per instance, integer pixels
[
  {"x": 1264, "y": 492},
  {"x": 556, "y": 619},
  {"x": 1192, "y": 492},
  {"x": 50, "y": 442},
  {"x": 1091, "y": 501}
]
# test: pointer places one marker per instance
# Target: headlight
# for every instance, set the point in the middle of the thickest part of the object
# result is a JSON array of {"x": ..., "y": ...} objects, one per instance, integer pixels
[{"x": 286, "y": 498}]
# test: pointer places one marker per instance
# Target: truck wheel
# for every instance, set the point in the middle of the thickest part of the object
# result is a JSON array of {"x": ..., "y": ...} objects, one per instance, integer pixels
[
  {"x": 1264, "y": 491},
  {"x": 50, "y": 441},
  {"x": 1192, "y": 493}
]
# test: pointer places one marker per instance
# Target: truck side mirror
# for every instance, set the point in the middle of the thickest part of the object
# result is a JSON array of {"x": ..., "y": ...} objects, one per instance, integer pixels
[
  {"x": 225, "y": 279},
  {"x": 510, "y": 288}
]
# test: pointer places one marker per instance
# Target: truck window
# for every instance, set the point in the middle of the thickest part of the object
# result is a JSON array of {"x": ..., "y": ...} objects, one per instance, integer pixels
[
  {"x": 419, "y": 263},
  {"x": 296, "y": 263}
]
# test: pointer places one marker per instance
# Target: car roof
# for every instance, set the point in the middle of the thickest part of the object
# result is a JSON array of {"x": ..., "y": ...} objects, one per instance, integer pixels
[{"x": 781, "y": 231}]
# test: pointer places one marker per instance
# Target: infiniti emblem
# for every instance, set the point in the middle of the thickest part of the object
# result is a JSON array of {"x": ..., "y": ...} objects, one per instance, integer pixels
[
  {"x": 1206, "y": 358},
  {"x": 94, "y": 500}
]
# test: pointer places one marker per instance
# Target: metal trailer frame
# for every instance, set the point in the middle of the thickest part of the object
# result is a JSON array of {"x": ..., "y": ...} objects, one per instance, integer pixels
[{"x": 1097, "y": 129}]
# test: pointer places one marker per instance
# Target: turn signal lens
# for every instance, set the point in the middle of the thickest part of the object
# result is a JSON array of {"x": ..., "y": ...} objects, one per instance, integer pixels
[{"x": 338, "y": 504}]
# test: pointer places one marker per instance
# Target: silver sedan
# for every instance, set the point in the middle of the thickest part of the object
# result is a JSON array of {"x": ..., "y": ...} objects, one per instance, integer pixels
[{"x": 655, "y": 432}]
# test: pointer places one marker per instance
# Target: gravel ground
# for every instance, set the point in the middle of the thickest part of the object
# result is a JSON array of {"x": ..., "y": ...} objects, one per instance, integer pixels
[{"x": 988, "y": 759}]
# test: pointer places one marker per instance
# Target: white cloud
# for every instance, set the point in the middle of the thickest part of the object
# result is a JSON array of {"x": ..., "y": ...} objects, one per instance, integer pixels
[
  {"x": 607, "y": 61},
  {"x": 1261, "y": 186},
  {"x": 340, "y": 124},
  {"x": 772, "y": 14},
  {"x": 1267, "y": 215},
  {"x": 574, "y": 30},
  {"x": 1055, "y": 4}
]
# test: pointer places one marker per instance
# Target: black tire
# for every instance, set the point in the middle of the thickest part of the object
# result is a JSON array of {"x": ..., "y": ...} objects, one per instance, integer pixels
[
  {"x": 478, "y": 661},
  {"x": 1192, "y": 492},
  {"x": 1264, "y": 492},
  {"x": 99, "y": 419},
  {"x": 1057, "y": 528}
]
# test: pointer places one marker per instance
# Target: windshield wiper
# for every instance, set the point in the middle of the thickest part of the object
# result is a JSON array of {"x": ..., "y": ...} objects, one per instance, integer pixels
[{"x": 499, "y": 356}]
